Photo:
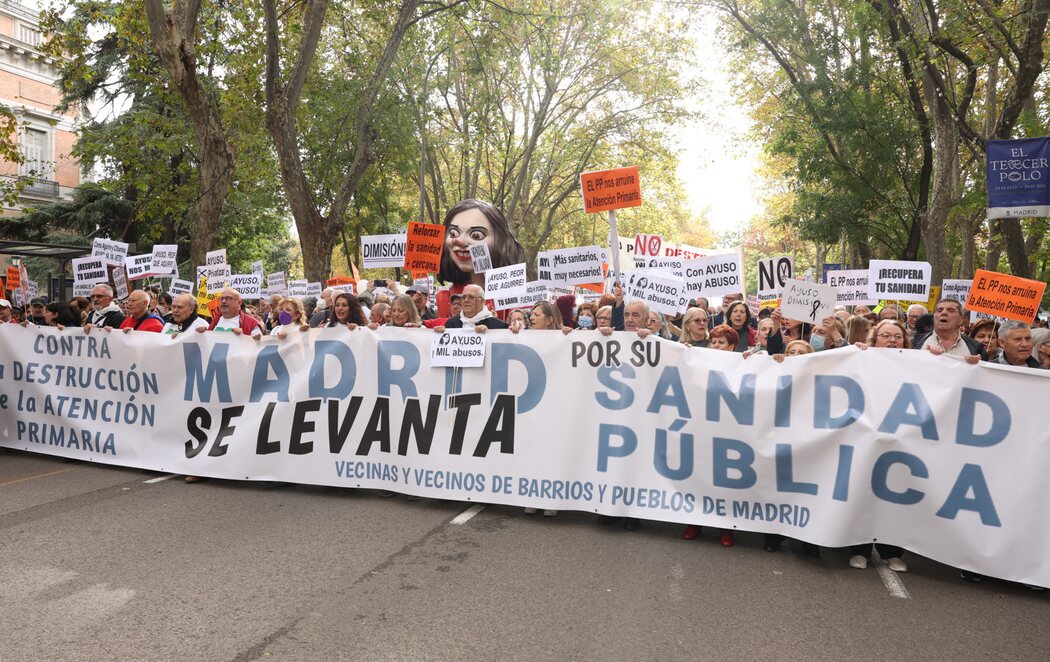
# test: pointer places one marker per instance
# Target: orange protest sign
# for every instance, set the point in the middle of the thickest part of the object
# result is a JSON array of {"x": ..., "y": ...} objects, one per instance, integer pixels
[
  {"x": 606, "y": 190},
  {"x": 339, "y": 281},
  {"x": 423, "y": 246},
  {"x": 14, "y": 279},
  {"x": 1006, "y": 296}
]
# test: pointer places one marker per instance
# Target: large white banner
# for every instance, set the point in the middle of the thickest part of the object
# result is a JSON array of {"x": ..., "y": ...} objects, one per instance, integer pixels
[{"x": 945, "y": 459}]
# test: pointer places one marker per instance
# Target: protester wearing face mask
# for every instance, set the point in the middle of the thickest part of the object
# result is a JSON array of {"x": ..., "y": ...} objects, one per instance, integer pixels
[
  {"x": 585, "y": 316},
  {"x": 830, "y": 334}
]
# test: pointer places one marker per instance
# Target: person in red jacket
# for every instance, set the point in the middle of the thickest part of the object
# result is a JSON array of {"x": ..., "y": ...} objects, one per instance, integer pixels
[
  {"x": 232, "y": 318},
  {"x": 140, "y": 318}
]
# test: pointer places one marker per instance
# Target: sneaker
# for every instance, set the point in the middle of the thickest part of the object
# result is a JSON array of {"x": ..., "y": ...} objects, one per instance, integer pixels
[
  {"x": 530, "y": 511},
  {"x": 897, "y": 565},
  {"x": 858, "y": 561},
  {"x": 550, "y": 513},
  {"x": 726, "y": 539},
  {"x": 971, "y": 577}
]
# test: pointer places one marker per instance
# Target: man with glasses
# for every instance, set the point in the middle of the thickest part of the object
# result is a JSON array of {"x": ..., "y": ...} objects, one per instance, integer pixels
[
  {"x": 474, "y": 313},
  {"x": 141, "y": 319},
  {"x": 105, "y": 312},
  {"x": 231, "y": 318}
]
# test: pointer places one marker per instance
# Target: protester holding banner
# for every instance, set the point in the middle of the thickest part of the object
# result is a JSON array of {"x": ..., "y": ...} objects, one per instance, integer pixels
[
  {"x": 184, "y": 316},
  {"x": 694, "y": 328},
  {"x": 81, "y": 307},
  {"x": 106, "y": 313},
  {"x": 986, "y": 332},
  {"x": 1015, "y": 338},
  {"x": 231, "y": 318},
  {"x": 1041, "y": 346},
  {"x": 831, "y": 334},
  {"x": 6, "y": 315},
  {"x": 292, "y": 318},
  {"x": 518, "y": 319},
  {"x": 475, "y": 314},
  {"x": 765, "y": 326},
  {"x": 545, "y": 317},
  {"x": 947, "y": 336},
  {"x": 603, "y": 317},
  {"x": 139, "y": 316},
  {"x": 915, "y": 311},
  {"x": 659, "y": 326},
  {"x": 346, "y": 312},
  {"x": 379, "y": 315},
  {"x": 60, "y": 314},
  {"x": 403, "y": 312},
  {"x": 738, "y": 317}
]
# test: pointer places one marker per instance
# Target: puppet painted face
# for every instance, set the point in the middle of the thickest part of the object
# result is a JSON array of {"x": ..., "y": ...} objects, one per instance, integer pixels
[{"x": 464, "y": 230}]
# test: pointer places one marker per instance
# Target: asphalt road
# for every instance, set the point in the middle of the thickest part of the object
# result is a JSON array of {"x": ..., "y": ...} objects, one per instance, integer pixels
[{"x": 100, "y": 563}]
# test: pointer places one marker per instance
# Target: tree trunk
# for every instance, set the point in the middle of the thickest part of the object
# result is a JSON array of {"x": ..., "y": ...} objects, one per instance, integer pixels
[{"x": 173, "y": 32}]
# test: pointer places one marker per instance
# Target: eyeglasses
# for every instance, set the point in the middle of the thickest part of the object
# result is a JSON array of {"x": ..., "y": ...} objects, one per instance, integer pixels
[
  {"x": 469, "y": 297},
  {"x": 227, "y": 298},
  {"x": 890, "y": 336},
  {"x": 101, "y": 296},
  {"x": 603, "y": 317}
]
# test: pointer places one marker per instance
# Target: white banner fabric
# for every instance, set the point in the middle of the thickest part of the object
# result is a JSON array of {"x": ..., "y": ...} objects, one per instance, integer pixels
[{"x": 840, "y": 447}]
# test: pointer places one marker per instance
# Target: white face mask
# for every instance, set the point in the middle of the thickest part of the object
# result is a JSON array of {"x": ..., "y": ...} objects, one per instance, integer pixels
[{"x": 321, "y": 304}]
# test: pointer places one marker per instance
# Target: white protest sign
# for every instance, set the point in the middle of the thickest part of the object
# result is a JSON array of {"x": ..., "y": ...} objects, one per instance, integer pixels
[
  {"x": 275, "y": 282},
  {"x": 956, "y": 288},
  {"x": 113, "y": 252},
  {"x": 807, "y": 302},
  {"x": 165, "y": 260},
  {"x": 899, "y": 280},
  {"x": 535, "y": 292},
  {"x": 672, "y": 265},
  {"x": 664, "y": 293},
  {"x": 297, "y": 288},
  {"x": 383, "y": 250},
  {"x": 505, "y": 282},
  {"x": 137, "y": 266},
  {"x": 218, "y": 276},
  {"x": 852, "y": 287},
  {"x": 249, "y": 285},
  {"x": 180, "y": 287},
  {"x": 576, "y": 266},
  {"x": 314, "y": 289},
  {"x": 89, "y": 270},
  {"x": 257, "y": 267},
  {"x": 120, "y": 281},
  {"x": 714, "y": 276},
  {"x": 82, "y": 289},
  {"x": 480, "y": 258},
  {"x": 422, "y": 285},
  {"x": 774, "y": 273},
  {"x": 458, "y": 348},
  {"x": 544, "y": 267},
  {"x": 212, "y": 258},
  {"x": 33, "y": 289}
]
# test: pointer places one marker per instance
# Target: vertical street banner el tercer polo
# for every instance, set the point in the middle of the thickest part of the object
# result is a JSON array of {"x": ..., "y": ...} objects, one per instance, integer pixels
[
  {"x": 836, "y": 448},
  {"x": 1018, "y": 178}
]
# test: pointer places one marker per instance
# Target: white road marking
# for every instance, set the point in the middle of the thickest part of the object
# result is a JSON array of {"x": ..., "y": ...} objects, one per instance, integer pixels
[
  {"x": 159, "y": 479},
  {"x": 465, "y": 516},
  {"x": 890, "y": 579}
]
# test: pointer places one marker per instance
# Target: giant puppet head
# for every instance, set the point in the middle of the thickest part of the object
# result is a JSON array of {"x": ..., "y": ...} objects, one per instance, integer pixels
[{"x": 474, "y": 222}]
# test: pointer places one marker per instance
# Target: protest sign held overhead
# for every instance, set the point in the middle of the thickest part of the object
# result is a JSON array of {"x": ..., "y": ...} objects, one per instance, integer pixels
[
  {"x": 90, "y": 270},
  {"x": 807, "y": 302},
  {"x": 505, "y": 282},
  {"x": 1018, "y": 178},
  {"x": 257, "y": 267},
  {"x": 297, "y": 288},
  {"x": 774, "y": 273},
  {"x": 899, "y": 280},
  {"x": 113, "y": 252},
  {"x": 138, "y": 266},
  {"x": 180, "y": 287},
  {"x": 82, "y": 289},
  {"x": 249, "y": 285},
  {"x": 958, "y": 289},
  {"x": 383, "y": 250},
  {"x": 165, "y": 260},
  {"x": 480, "y": 258},
  {"x": 714, "y": 276},
  {"x": 276, "y": 282},
  {"x": 13, "y": 279},
  {"x": 342, "y": 284},
  {"x": 608, "y": 190},
  {"x": 672, "y": 265},
  {"x": 852, "y": 287},
  {"x": 215, "y": 257},
  {"x": 423, "y": 246},
  {"x": 571, "y": 266},
  {"x": 120, "y": 282},
  {"x": 1006, "y": 296},
  {"x": 663, "y": 292},
  {"x": 314, "y": 289}
]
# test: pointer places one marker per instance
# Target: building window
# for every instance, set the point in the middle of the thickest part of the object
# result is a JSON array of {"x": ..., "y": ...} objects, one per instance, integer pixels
[
  {"x": 35, "y": 151},
  {"x": 29, "y": 35}
]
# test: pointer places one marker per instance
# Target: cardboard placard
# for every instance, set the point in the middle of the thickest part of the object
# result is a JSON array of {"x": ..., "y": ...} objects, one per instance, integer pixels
[
  {"x": 606, "y": 190},
  {"x": 566, "y": 267},
  {"x": 120, "y": 282},
  {"x": 808, "y": 302},
  {"x": 480, "y": 258},
  {"x": 212, "y": 258},
  {"x": 342, "y": 284},
  {"x": 14, "y": 278},
  {"x": 509, "y": 281},
  {"x": 90, "y": 270},
  {"x": 458, "y": 348},
  {"x": 113, "y": 252},
  {"x": 137, "y": 266},
  {"x": 774, "y": 273},
  {"x": 83, "y": 289},
  {"x": 423, "y": 246},
  {"x": 297, "y": 288},
  {"x": 257, "y": 267},
  {"x": 383, "y": 251},
  {"x": 852, "y": 286},
  {"x": 714, "y": 276},
  {"x": 661, "y": 291},
  {"x": 956, "y": 288},
  {"x": 899, "y": 280},
  {"x": 165, "y": 260},
  {"x": 248, "y": 285},
  {"x": 180, "y": 287},
  {"x": 276, "y": 282},
  {"x": 672, "y": 265},
  {"x": 314, "y": 289},
  {"x": 1006, "y": 296}
]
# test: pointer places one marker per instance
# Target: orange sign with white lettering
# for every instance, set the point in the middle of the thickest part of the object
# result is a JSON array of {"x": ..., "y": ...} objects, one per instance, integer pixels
[
  {"x": 423, "y": 246},
  {"x": 14, "y": 279},
  {"x": 1006, "y": 296},
  {"x": 606, "y": 190}
]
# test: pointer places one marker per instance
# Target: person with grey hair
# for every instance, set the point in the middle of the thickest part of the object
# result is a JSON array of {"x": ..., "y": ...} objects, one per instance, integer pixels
[
  {"x": 659, "y": 326},
  {"x": 105, "y": 312},
  {"x": 1041, "y": 346},
  {"x": 1015, "y": 338},
  {"x": 915, "y": 311},
  {"x": 947, "y": 336},
  {"x": 184, "y": 316}
]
